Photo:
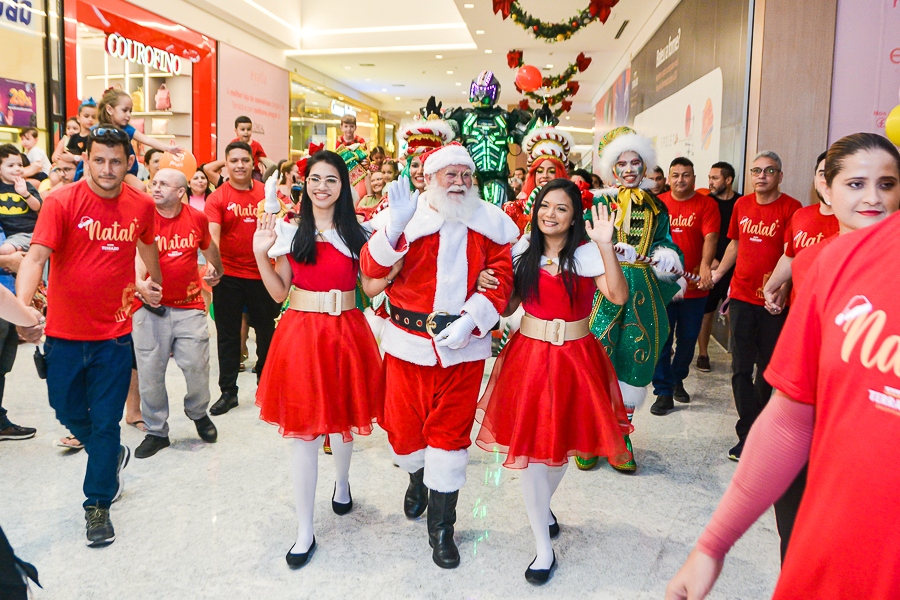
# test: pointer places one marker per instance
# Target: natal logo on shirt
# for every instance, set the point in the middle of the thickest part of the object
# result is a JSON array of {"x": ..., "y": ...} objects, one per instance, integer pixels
[
  {"x": 758, "y": 229},
  {"x": 112, "y": 233},
  {"x": 248, "y": 212},
  {"x": 863, "y": 327},
  {"x": 176, "y": 244},
  {"x": 679, "y": 221},
  {"x": 803, "y": 240}
]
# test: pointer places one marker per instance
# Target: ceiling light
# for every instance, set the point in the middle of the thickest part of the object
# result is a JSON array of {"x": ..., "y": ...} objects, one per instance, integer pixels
[
  {"x": 383, "y": 89},
  {"x": 449, "y": 72},
  {"x": 479, "y": 32},
  {"x": 549, "y": 66},
  {"x": 439, "y": 56},
  {"x": 396, "y": 97},
  {"x": 458, "y": 83},
  {"x": 347, "y": 67},
  {"x": 488, "y": 51},
  {"x": 468, "y": 6},
  {"x": 407, "y": 112},
  {"x": 367, "y": 79},
  {"x": 568, "y": 117}
]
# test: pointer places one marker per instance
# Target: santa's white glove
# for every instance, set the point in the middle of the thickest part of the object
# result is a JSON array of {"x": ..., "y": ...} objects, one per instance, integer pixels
[
  {"x": 666, "y": 260},
  {"x": 457, "y": 334},
  {"x": 272, "y": 205},
  {"x": 402, "y": 204},
  {"x": 625, "y": 252}
]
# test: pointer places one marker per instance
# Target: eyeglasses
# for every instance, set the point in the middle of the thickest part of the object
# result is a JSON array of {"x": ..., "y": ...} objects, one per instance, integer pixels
[
  {"x": 99, "y": 133},
  {"x": 328, "y": 182},
  {"x": 453, "y": 175},
  {"x": 757, "y": 171}
]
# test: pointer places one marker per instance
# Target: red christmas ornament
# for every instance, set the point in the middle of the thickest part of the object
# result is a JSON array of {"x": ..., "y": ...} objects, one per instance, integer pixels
[
  {"x": 514, "y": 58},
  {"x": 529, "y": 78}
]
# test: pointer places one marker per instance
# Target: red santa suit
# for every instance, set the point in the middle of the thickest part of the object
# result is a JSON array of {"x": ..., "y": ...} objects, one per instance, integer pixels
[{"x": 432, "y": 391}]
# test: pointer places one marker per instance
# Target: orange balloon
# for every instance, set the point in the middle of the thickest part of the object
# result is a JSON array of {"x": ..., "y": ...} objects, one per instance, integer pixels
[
  {"x": 529, "y": 78},
  {"x": 186, "y": 163}
]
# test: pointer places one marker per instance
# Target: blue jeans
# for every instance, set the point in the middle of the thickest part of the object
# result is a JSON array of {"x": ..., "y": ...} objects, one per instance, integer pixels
[
  {"x": 685, "y": 319},
  {"x": 87, "y": 383}
]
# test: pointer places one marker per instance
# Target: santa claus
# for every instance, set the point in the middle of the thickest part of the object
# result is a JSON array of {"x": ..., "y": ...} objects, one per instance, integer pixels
[{"x": 438, "y": 336}]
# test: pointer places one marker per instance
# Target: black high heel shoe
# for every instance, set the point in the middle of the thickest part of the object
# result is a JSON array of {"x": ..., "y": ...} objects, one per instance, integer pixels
[
  {"x": 337, "y": 507},
  {"x": 295, "y": 561},
  {"x": 540, "y": 576},
  {"x": 554, "y": 527}
]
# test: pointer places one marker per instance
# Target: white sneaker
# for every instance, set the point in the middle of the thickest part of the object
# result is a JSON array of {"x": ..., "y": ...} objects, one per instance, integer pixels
[{"x": 124, "y": 457}]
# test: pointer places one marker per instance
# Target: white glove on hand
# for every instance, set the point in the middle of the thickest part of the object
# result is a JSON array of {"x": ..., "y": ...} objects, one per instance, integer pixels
[
  {"x": 625, "y": 252},
  {"x": 665, "y": 261},
  {"x": 402, "y": 204},
  {"x": 457, "y": 334},
  {"x": 272, "y": 205}
]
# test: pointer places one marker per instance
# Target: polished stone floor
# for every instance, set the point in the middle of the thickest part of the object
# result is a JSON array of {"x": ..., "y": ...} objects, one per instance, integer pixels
[{"x": 214, "y": 521}]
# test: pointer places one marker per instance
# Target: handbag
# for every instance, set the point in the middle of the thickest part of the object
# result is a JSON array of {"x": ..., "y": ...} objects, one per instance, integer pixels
[
  {"x": 159, "y": 126},
  {"x": 163, "y": 100},
  {"x": 137, "y": 100}
]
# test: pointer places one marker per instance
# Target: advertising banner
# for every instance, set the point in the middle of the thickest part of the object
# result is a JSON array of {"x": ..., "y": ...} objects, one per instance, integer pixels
[{"x": 18, "y": 103}]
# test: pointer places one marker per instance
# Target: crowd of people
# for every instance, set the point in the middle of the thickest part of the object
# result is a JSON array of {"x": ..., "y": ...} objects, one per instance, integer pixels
[{"x": 394, "y": 288}]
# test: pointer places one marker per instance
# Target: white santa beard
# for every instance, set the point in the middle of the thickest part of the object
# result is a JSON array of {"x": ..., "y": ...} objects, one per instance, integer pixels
[{"x": 451, "y": 209}]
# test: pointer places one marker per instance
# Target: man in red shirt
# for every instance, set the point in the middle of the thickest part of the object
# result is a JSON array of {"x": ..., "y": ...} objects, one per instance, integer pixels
[
  {"x": 231, "y": 210},
  {"x": 757, "y": 229},
  {"x": 694, "y": 225},
  {"x": 181, "y": 331},
  {"x": 92, "y": 229}
]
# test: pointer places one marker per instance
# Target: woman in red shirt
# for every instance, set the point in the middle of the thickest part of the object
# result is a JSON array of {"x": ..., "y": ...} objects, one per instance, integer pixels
[{"x": 836, "y": 370}]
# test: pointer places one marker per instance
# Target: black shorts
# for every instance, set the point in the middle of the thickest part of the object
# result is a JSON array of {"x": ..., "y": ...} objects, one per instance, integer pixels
[{"x": 718, "y": 293}]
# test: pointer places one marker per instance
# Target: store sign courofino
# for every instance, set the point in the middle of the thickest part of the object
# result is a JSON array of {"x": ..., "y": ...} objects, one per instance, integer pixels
[{"x": 142, "y": 54}]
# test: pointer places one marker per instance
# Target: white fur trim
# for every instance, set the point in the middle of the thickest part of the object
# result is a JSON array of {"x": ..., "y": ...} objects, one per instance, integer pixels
[
  {"x": 447, "y": 156},
  {"x": 285, "y": 232},
  {"x": 407, "y": 346},
  {"x": 632, "y": 396},
  {"x": 665, "y": 275},
  {"x": 647, "y": 184},
  {"x": 409, "y": 462},
  {"x": 494, "y": 224},
  {"x": 382, "y": 252},
  {"x": 452, "y": 269},
  {"x": 623, "y": 143},
  {"x": 547, "y": 141},
  {"x": 588, "y": 262},
  {"x": 483, "y": 313},
  {"x": 376, "y": 323},
  {"x": 436, "y": 127},
  {"x": 445, "y": 470}
]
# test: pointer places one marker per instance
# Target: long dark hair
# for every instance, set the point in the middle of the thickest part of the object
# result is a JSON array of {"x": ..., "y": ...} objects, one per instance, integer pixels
[
  {"x": 527, "y": 266},
  {"x": 303, "y": 248}
]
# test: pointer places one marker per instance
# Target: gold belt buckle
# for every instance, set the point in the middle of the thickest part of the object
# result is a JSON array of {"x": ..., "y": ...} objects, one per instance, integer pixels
[
  {"x": 335, "y": 297},
  {"x": 431, "y": 325},
  {"x": 558, "y": 337}
]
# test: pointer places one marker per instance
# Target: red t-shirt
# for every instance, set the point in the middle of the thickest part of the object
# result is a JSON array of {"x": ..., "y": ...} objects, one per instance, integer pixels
[
  {"x": 690, "y": 221},
  {"x": 235, "y": 211},
  {"x": 178, "y": 240},
  {"x": 839, "y": 352},
  {"x": 759, "y": 230},
  {"x": 257, "y": 151},
  {"x": 94, "y": 241},
  {"x": 804, "y": 262},
  {"x": 808, "y": 226}
]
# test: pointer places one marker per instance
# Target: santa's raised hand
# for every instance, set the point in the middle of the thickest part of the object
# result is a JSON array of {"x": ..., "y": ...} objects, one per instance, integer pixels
[{"x": 402, "y": 205}]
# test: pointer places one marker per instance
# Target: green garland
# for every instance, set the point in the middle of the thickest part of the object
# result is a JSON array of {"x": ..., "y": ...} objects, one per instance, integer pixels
[{"x": 597, "y": 10}]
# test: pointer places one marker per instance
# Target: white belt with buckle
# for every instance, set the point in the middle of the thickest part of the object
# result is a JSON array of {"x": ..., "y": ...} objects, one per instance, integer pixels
[
  {"x": 332, "y": 302},
  {"x": 556, "y": 331}
]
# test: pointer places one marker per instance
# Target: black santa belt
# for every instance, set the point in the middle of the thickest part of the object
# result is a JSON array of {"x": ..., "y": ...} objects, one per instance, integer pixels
[{"x": 431, "y": 323}]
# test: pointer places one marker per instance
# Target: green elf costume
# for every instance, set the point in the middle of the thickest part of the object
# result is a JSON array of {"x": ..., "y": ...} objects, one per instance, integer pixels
[{"x": 633, "y": 334}]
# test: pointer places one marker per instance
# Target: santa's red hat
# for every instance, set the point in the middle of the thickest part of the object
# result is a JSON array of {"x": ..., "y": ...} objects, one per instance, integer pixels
[{"x": 453, "y": 153}]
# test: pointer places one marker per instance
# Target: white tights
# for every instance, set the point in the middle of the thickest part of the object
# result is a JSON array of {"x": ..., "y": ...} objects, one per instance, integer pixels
[
  {"x": 539, "y": 482},
  {"x": 305, "y": 474}
]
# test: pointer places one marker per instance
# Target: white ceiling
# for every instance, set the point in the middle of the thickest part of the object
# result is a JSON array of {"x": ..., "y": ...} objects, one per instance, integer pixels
[{"x": 415, "y": 74}]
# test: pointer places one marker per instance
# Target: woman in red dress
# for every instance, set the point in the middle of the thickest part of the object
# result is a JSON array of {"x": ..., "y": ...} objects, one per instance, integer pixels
[
  {"x": 339, "y": 390},
  {"x": 539, "y": 422}
]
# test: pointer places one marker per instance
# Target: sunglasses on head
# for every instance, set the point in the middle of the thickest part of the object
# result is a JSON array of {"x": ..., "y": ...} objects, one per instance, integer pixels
[{"x": 99, "y": 133}]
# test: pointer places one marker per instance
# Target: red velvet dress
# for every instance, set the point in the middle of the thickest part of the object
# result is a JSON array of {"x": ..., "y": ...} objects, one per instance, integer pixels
[
  {"x": 553, "y": 402},
  {"x": 323, "y": 373}
]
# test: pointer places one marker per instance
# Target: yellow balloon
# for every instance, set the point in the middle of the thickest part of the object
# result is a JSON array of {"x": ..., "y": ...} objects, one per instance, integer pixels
[{"x": 892, "y": 126}]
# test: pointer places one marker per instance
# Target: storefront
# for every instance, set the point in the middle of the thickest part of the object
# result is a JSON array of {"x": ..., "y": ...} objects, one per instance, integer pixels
[
  {"x": 316, "y": 113},
  {"x": 168, "y": 69}
]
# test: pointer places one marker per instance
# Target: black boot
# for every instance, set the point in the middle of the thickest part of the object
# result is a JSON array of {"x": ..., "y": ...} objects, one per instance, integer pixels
[
  {"x": 441, "y": 519},
  {"x": 416, "y": 500}
]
